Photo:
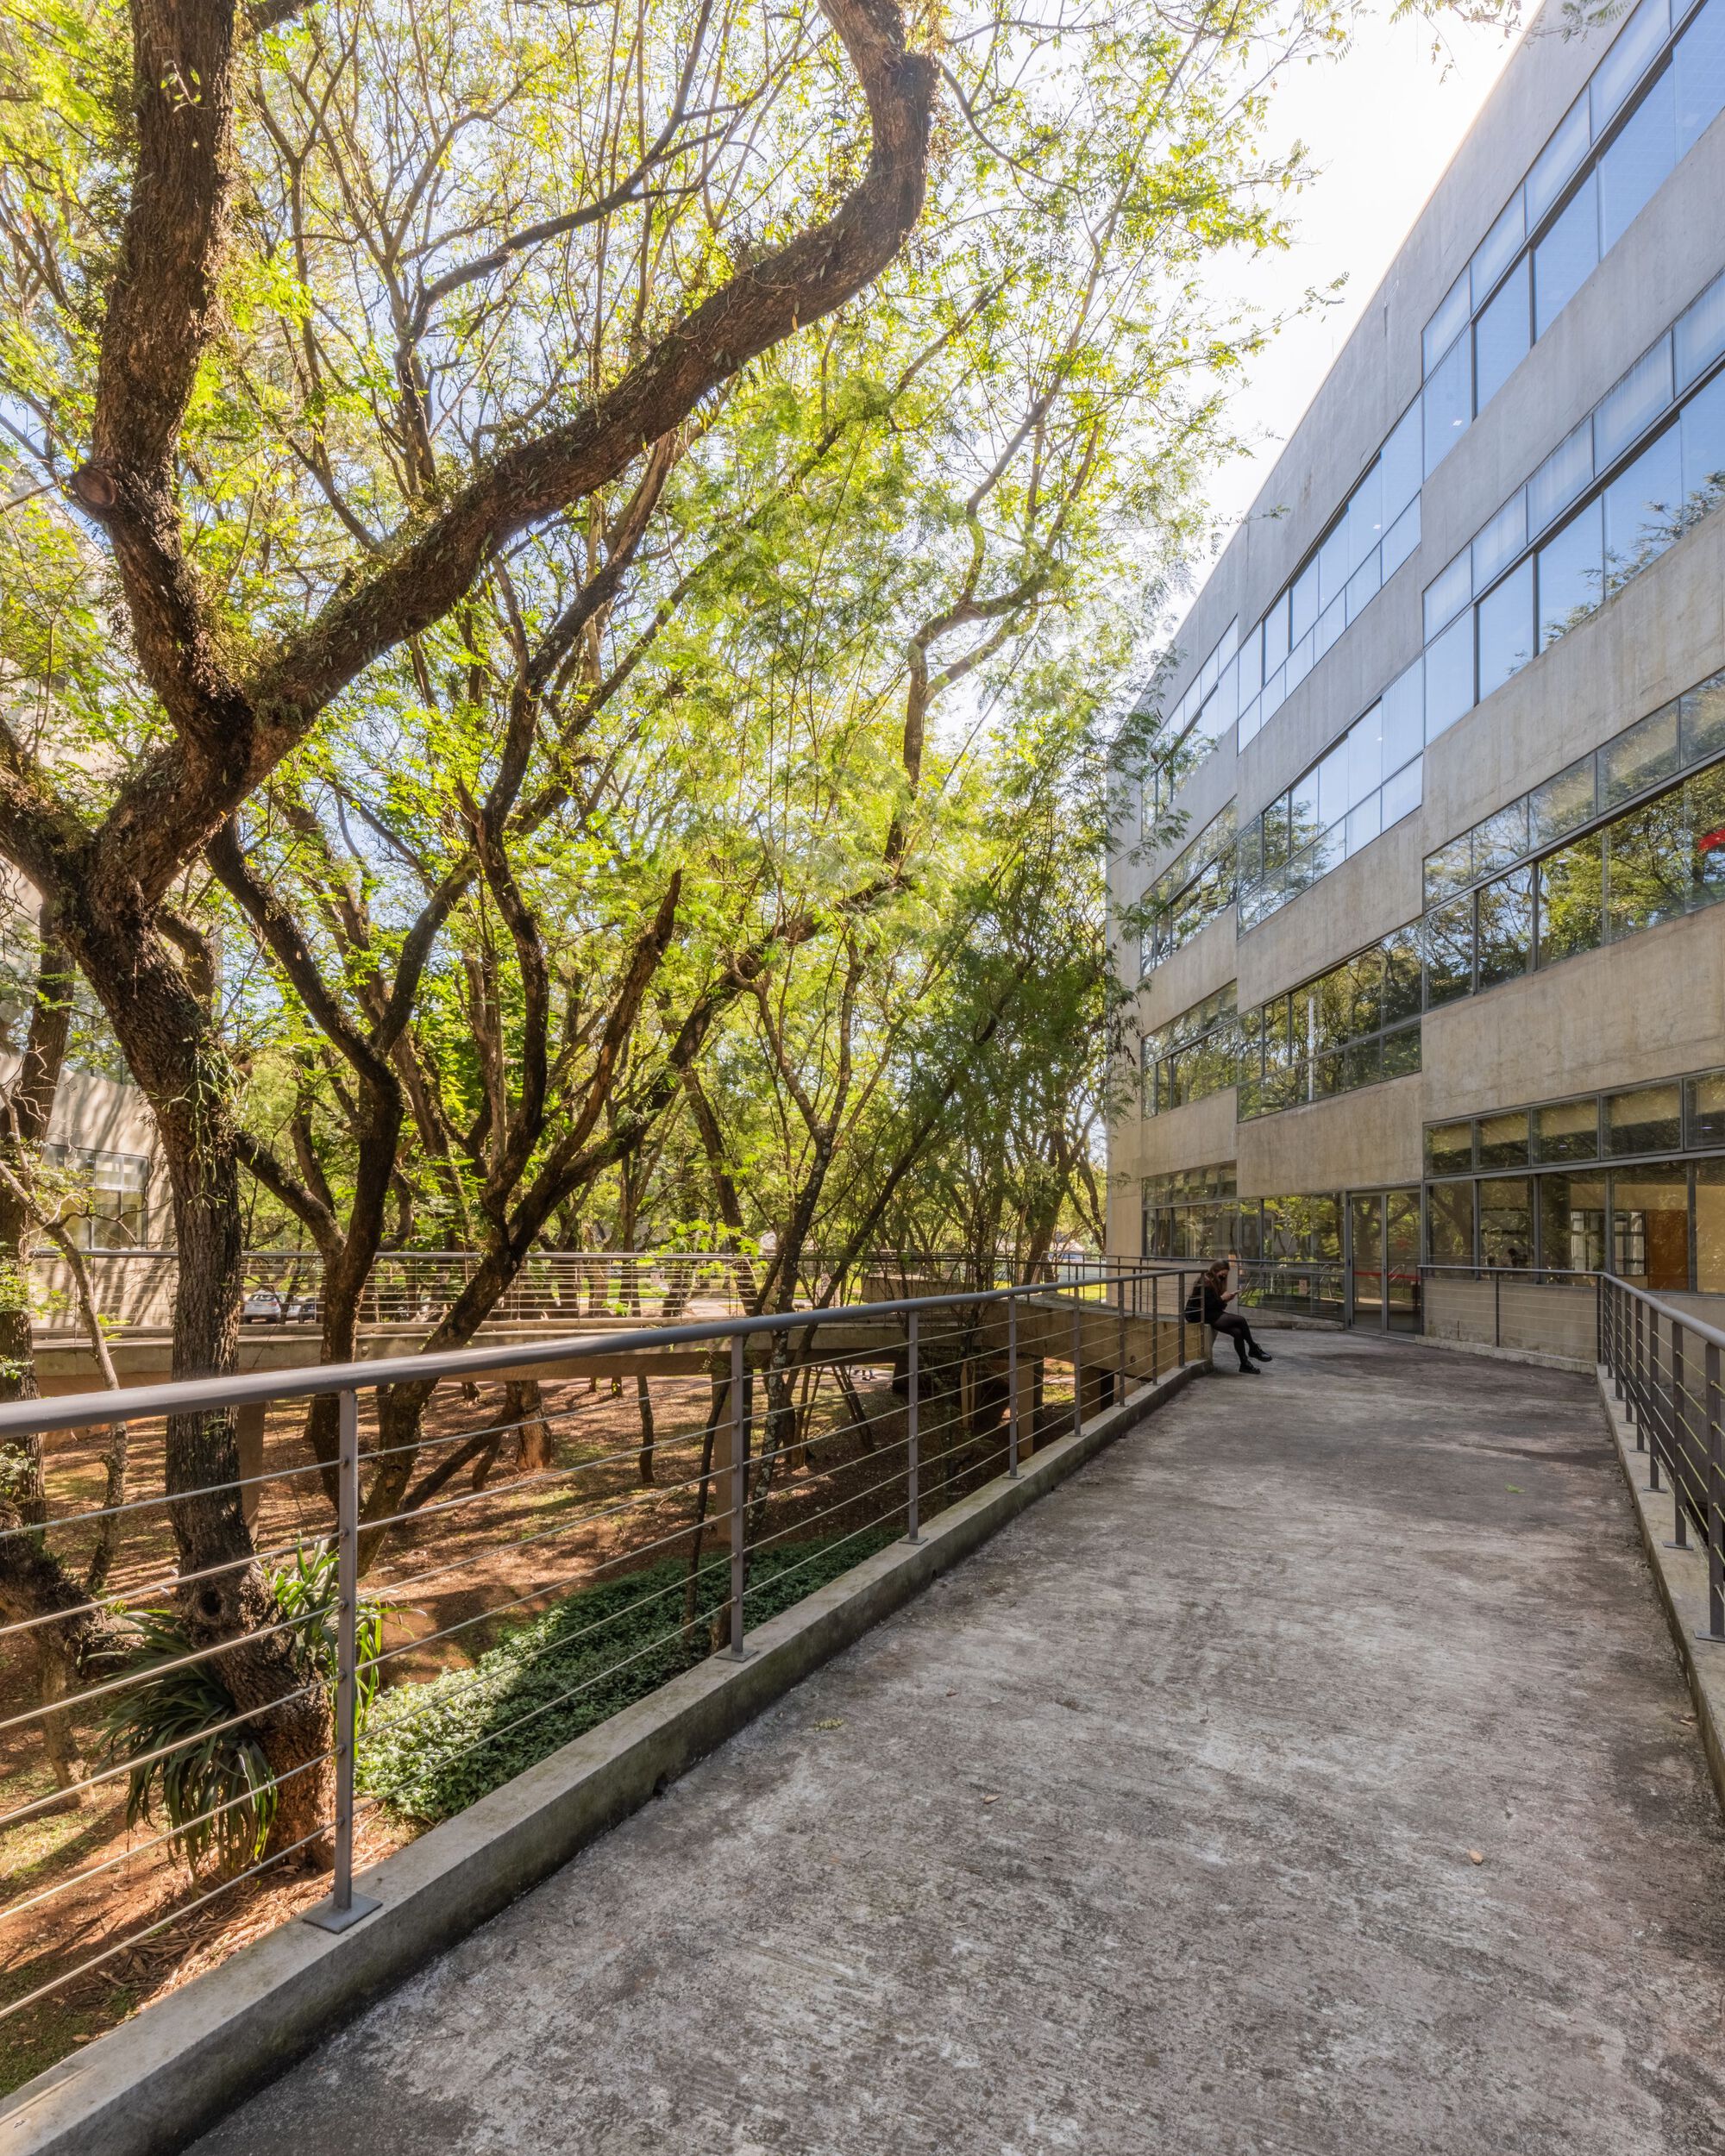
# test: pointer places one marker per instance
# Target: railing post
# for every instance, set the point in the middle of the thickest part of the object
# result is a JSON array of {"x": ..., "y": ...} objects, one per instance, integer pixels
[
  {"x": 1155, "y": 1327},
  {"x": 913, "y": 1430},
  {"x": 1077, "y": 1359},
  {"x": 1012, "y": 1387},
  {"x": 1710, "y": 1538},
  {"x": 739, "y": 1492},
  {"x": 1497, "y": 1309},
  {"x": 1121, "y": 1344},
  {"x": 1649, "y": 1396},
  {"x": 1679, "y": 1438},
  {"x": 1632, "y": 1404},
  {"x": 344, "y": 1907}
]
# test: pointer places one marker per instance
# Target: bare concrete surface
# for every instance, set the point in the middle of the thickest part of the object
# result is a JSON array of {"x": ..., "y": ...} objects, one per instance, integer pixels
[{"x": 1148, "y": 1830}]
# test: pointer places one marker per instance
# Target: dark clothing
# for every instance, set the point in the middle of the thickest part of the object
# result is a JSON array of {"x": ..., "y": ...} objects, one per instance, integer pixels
[
  {"x": 1226, "y": 1318},
  {"x": 1214, "y": 1308}
]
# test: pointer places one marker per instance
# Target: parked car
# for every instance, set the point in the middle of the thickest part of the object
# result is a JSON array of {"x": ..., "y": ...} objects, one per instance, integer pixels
[{"x": 276, "y": 1305}]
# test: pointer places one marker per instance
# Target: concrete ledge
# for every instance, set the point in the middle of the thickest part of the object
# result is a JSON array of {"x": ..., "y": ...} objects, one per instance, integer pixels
[
  {"x": 147, "y": 2087},
  {"x": 1681, "y": 1578},
  {"x": 1537, "y": 1357}
]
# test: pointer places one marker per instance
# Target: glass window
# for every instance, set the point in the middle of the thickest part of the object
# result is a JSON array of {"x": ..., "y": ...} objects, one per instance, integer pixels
[
  {"x": 1635, "y": 166},
  {"x": 1704, "y": 1110},
  {"x": 1699, "y": 335},
  {"x": 1501, "y": 335},
  {"x": 1401, "y": 716},
  {"x": 1564, "y": 802},
  {"x": 1645, "y": 1120},
  {"x": 1449, "y": 676},
  {"x": 1503, "y": 1140},
  {"x": 1402, "y": 973},
  {"x": 1505, "y": 938},
  {"x": 1506, "y": 629},
  {"x": 1362, "y": 586},
  {"x": 1501, "y": 839},
  {"x": 1364, "y": 519},
  {"x": 1505, "y": 1222},
  {"x": 1449, "y": 1224},
  {"x": 1498, "y": 542},
  {"x": 1449, "y": 1149},
  {"x": 1647, "y": 867},
  {"x": 1565, "y": 258},
  {"x": 1447, "y": 324},
  {"x": 1632, "y": 407},
  {"x": 1365, "y": 754},
  {"x": 1448, "y": 593},
  {"x": 1558, "y": 161},
  {"x": 1275, "y": 638},
  {"x": 1709, "y": 1227},
  {"x": 1334, "y": 564},
  {"x": 1447, "y": 402},
  {"x": 1644, "y": 509},
  {"x": 1450, "y": 868},
  {"x": 1364, "y": 823},
  {"x": 1572, "y": 574},
  {"x": 1640, "y": 756},
  {"x": 1567, "y": 1130},
  {"x": 1571, "y": 899},
  {"x": 1402, "y": 794},
  {"x": 1702, "y": 428},
  {"x": 1498, "y": 250},
  {"x": 1699, "y": 68},
  {"x": 1449, "y": 952},
  {"x": 1303, "y": 604},
  {"x": 1401, "y": 462},
  {"x": 1632, "y": 52},
  {"x": 1572, "y": 1224},
  {"x": 1650, "y": 1227},
  {"x": 1399, "y": 542},
  {"x": 1560, "y": 477},
  {"x": 1704, "y": 820}
]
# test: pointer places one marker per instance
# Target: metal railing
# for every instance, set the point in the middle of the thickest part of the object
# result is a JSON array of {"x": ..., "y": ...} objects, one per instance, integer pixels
[
  {"x": 133, "y": 1288},
  {"x": 1664, "y": 1366},
  {"x": 333, "y": 1638}
]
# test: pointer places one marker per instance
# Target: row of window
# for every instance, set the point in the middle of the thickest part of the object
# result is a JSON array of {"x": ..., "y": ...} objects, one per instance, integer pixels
[
  {"x": 1369, "y": 779},
  {"x": 1192, "y": 1055},
  {"x": 1679, "y": 736},
  {"x": 1291, "y": 1231},
  {"x": 1660, "y": 1226},
  {"x": 1647, "y": 865},
  {"x": 1196, "y": 886},
  {"x": 1522, "y": 275},
  {"x": 1681, "y": 1115},
  {"x": 1604, "y": 167},
  {"x": 1189, "y": 1185},
  {"x": 1353, "y": 1025},
  {"x": 1677, "y": 476}
]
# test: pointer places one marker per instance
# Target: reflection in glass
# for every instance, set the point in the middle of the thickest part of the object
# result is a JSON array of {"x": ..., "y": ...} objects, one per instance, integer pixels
[
  {"x": 1563, "y": 802},
  {"x": 1647, "y": 865},
  {"x": 1571, "y": 899},
  {"x": 1501, "y": 335},
  {"x": 1640, "y": 756},
  {"x": 1703, "y": 798},
  {"x": 1449, "y": 676},
  {"x": 1449, "y": 952},
  {"x": 1572, "y": 1223},
  {"x": 1449, "y": 1148},
  {"x": 1702, "y": 725},
  {"x": 1643, "y": 509},
  {"x": 1572, "y": 574},
  {"x": 1505, "y": 618},
  {"x": 1567, "y": 1130},
  {"x": 1709, "y": 1227},
  {"x": 1447, "y": 402},
  {"x": 1449, "y": 1224},
  {"x": 1699, "y": 68},
  {"x": 1503, "y": 1140},
  {"x": 1704, "y": 1110},
  {"x": 1501, "y": 839},
  {"x": 1633, "y": 169},
  {"x": 1505, "y": 938},
  {"x": 1506, "y": 1221},
  {"x": 1564, "y": 259},
  {"x": 1647, "y": 1119},
  {"x": 1650, "y": 1227}
]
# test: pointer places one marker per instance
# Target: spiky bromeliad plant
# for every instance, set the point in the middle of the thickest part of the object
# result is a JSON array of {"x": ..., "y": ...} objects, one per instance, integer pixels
[{"x": 211, "y": 1783}]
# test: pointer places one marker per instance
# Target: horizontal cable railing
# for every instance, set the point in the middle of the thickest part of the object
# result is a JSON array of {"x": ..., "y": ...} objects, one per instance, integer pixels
[
  {"x": 260, "y": 1629},
  {"x": 1664, "y": 1366}
]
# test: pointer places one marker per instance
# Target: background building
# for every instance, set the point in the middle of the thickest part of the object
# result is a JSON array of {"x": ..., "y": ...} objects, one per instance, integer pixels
[{"x": 1420, "y": 904}]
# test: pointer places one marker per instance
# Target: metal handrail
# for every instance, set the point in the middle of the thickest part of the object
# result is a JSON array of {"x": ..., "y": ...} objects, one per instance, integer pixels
[{"x": 940, "y": 1370}]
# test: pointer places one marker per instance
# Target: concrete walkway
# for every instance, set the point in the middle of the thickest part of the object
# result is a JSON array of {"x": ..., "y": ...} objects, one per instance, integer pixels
[{"x": 1149, "y": 1830}]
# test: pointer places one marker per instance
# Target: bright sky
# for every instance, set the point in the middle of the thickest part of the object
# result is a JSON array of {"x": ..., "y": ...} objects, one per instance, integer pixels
[{"x": 1383, "y": 122}]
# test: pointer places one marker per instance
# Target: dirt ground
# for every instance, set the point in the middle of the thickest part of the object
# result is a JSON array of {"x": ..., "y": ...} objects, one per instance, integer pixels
[{"x": 492, "y": 1547}]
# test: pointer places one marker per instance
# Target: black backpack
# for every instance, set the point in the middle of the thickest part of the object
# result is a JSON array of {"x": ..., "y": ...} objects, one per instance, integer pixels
[{"x": 1195, "y": 1306}]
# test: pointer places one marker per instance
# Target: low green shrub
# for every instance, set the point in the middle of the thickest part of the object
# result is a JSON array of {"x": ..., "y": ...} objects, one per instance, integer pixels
[{"x": 430, "y": 1750}]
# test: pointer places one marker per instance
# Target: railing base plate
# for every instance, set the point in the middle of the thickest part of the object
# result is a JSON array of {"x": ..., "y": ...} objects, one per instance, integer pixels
[{"x": 328, "y": 1918}]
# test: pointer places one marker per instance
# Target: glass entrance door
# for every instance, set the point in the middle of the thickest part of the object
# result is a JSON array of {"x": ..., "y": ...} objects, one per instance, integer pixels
[
  {"x": 1365, "y": 1258},
  {"x": 1384, "y": 1260}
]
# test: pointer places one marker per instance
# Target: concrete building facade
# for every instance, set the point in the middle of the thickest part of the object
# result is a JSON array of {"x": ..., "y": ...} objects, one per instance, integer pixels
[{"x": 1417, "y": 905}]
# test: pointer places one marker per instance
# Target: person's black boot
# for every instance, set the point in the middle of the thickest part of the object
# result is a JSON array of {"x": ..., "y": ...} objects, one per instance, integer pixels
[
  {"x": 1258, "y": 1354},
  {"x": 1248, "y": 1370}
]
